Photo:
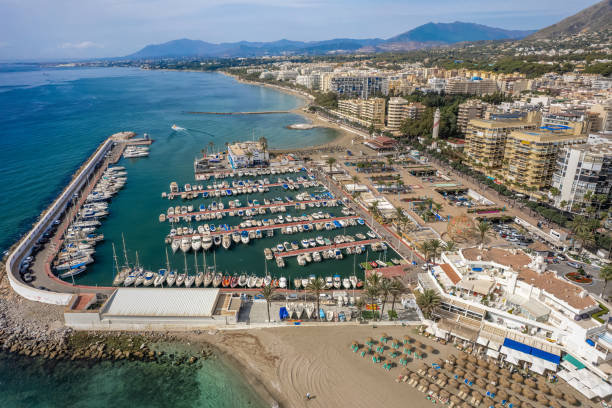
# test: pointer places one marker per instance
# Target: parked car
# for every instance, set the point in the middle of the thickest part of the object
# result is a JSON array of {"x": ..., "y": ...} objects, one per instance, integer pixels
[{"x": 574, "y": 264}]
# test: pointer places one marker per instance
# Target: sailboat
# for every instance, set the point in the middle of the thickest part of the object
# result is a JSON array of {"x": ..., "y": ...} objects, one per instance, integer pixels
[
  {"x": 199, "y": 276},
  {"x": 141, "y": 275},
  {"x": 162, "y": 274},
  {"x": 123, "y": 273},
  {"x": 180, "y": 279},
  {"x": 190, "y": 279}
]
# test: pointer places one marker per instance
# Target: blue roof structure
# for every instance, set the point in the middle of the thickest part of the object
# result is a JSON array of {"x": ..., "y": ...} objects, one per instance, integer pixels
[{"x": 536, "y": 352}]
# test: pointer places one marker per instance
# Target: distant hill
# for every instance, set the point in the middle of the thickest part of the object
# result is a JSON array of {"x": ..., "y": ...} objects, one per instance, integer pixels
[
  {"x": 449, "y": 33},
  {"x": 594, "y": 18},
  {"x": 427, "y": 35}
]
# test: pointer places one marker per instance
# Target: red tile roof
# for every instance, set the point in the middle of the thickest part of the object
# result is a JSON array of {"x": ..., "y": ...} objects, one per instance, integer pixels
[{"x": 452, "y": 275}]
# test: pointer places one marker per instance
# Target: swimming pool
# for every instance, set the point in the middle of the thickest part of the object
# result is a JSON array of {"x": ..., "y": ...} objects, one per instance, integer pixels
[{"x": 606, "y": 337}]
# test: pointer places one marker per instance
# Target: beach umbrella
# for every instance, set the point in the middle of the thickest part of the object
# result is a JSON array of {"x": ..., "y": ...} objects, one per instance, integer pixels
[
  {"x": 502, "y": 395},
  {"x": 434, "y": 388},
  {"x": 518, "y": 378},
  {"x": 529, "y": 393},
  {"x": 555, "y": 404},
  {"x": 444, "y": 394},
  {"x": 542, "y": 399},
  {"x": 530, "y": 383},
  {"x": 488, "y": 402},
  {"x": 459, "y": 372},
  {"x": 432, "y": 372},
  {"x": 442, "y": 378},
  {"x": 493, "y": 367},
  {"x": 514, "y": 400},
  {"x": 455, "y": 399},
  {"x": 556, "y": 392},
  {"x": 466, "y": 405},
  {"x": 570, "y": 399},
  {"x": 472, "y": 359},
  {"x": 516, "y": 388},
  {"x": 369, "y": 341},
  {"x": 453, "y": 383},
  {"x": 493, "y": 378},
  {"x": 481, "y": 372},
  {"x": 483, "y": 363},
  {"x": 544, "y": 388},
  {"x": 470, "y": 378},
  {"x": 492, "y": 389},
  {"x": 440, "y": 362},
  {"x": 414, "y": 376},
  {"x": 504, "y": 372},
  {"x": 464, "y": 388},
  {"x": 470, "y": 367},
  {"x": 424, "y": 382},
  {"x": 424, "y": 367},
  {"x": 461, "y": 363},
  {"x": 407, "y": 339},
  {"x": 526, "y": 405},
  {"x": 504, "y": 382},
  {"x": 481, "y": 383},
  {"x": 448, "y": 367},
  {"x": 385, "y": 336}
]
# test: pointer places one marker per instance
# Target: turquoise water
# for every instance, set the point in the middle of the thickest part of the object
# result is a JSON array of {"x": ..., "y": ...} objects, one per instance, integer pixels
[
  {"x": 28, "y": 383},
  {"x": 51, "y": 120}
]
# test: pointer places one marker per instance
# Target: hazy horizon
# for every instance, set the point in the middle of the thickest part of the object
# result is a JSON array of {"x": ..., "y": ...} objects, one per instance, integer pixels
[{"x": 37, "y": 30}]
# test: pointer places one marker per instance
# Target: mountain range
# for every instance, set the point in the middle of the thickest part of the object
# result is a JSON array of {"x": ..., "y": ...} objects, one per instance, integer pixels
[
  {"x": 427, "y": 35},
  {"x": 594, "y": 18}
]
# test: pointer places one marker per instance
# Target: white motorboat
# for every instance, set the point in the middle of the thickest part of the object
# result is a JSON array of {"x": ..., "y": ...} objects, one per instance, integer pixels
[
  {"x": 282, "y": 282},
  {"x": 353, "y": 280},
  {"x": 199, "y": 279},
  {"x": 299, "y": 310},
  {"x": 171, "y": 278},
  {"x": 251, "y": 281},
  {"x": 206, "y": 242},
  {"x": 189, "y": 280},
  {"x": 244, "y": 237},
  {"x": 208, "y": 278},
  {"x": 309, "y": 309},
  {"x": 329, "y": 315},
  {"x": 160, "y": 278},
  {"x": 329, "y": 282},
  {"x": 346, "y": 283},
  {"x": 196, "y": 243},
  {"x": 227, "y": 241},
  {"x": 180, "y": 279},
  {"x": 185, "y": 244}
]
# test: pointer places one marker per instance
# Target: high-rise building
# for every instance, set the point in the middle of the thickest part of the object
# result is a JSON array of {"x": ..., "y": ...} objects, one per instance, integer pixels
[
  {"x": 530, "y": 155},
  {"x": 399, "y": 110},
  {"x": 584, "y": 168},
  {"x": 486, "y": 140},
  {"x": 471, "y": 86},
  {"x": 574, "y": 122},
  {"x": 365, "y": 111},
  {"x": 356, "y": 85},
  {"x": 470, "y": 109}
]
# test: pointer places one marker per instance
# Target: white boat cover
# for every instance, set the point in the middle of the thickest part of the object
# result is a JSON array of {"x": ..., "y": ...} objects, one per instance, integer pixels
[{"x": 482, "y": 341}]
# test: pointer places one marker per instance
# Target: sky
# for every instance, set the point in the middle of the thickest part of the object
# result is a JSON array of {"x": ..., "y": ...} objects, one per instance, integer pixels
[{"x": 75, "y": 29}]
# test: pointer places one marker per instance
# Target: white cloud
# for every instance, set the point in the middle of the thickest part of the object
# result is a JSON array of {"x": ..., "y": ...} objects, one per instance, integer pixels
[{"x": 81, "y": 45}]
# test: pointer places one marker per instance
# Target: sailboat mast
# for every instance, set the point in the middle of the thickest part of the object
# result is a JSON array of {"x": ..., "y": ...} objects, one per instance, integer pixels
[
  {"x": 124, "y": 250},
  {"x": 115, "y": 259},
  {"x": 195, "y": 261},
  {"x": 185, "y": 256}
]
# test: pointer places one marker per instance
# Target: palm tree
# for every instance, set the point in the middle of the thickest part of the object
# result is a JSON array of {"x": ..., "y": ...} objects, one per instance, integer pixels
[
  {"x": 315, "y": 287},
  {"x": 396, "y": 288},
  {"x": 450, "y": 246},
  {"x": 330, "y": 161},
  {"x": 385, "y": 290},
  {"x": 211, "y": 145},
  {"x": 372, "y": 292},
  {"x": 425, "y": 248},
  {"x": 437, "y": 207},
  {"x": 606, "y": 274},
  {"x": 360, "y": 304},
  {"x": 264, "y": 144},
  {"x": 249, "y": 155},
  {"x": 435, "y": 246},
  {"x": 585, "y": 238},
  {"x": 483, "y": 228},
  {"x": 267, "y": 292},
  {"x": 428, "y": 301},
  {"x": 355, "y": 179}
]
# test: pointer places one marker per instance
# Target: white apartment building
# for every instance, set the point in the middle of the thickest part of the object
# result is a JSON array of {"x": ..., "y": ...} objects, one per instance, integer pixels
[
  {"x": 505, "y": 302},
  {"x": 584, "y": 168},
  {"x": 246, "y": 154}
]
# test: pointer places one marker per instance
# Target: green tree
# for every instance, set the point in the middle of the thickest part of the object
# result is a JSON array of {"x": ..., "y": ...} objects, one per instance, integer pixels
[
  {"x": 330, "y": 161},
  {"x": 606, "y": 274},
  {"x": 425, "y": 248},
  {"x": 372, "y": 287},
  {"x": 428, "y": 301},
  {"x": 435, "y": 246},
  {"x": 396, "y": 288},
  {"x": 267, "y": 292},
  {"x": 315, "y": 287},
  {"x": 360, "y": 304},
  {"x": 385, "y": 290},
  {"x": 483, "y": 229},
  {"x": 450, "y": 246}
]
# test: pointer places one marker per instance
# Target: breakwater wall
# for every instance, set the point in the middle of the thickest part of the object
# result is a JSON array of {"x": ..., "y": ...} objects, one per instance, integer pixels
[{"x": 54, "y": 212}]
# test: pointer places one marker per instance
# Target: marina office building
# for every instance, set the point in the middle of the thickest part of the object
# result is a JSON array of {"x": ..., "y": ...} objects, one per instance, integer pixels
[
  {"x": 246, "y": 154},
  {"x": 494, "y": 298},
  {"x": 153, "y": 308}
]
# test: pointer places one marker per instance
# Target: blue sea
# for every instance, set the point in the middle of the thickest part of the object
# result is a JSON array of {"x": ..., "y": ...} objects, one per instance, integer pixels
[{"x": 51, "y": 120}]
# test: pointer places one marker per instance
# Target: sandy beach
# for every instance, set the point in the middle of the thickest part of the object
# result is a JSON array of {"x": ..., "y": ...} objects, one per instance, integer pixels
[{"x": 287, "y": 362}]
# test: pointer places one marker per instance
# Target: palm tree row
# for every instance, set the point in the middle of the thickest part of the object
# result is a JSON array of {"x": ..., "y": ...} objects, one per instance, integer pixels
[{"x": 378, "y": 286}]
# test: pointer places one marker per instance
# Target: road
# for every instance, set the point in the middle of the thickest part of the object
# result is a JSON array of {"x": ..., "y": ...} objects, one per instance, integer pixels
[{"x": 595, "y": 288}]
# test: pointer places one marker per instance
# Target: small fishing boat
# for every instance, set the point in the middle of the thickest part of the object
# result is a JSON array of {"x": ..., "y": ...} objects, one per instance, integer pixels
[
  {"x": 251, "y": 281},
  {"x": 244, "y": 237},
  {"x": 234, "y": 282},
  {"x": 299, "y": 310},
  {"x": 330, "y": 315},
  {"x": 189, "y": 280},
  {"x": 267, "y": 280},
  {"x": 297, "y": 283},
  {"x": 149, "y": 278},
  {"x": 242, "y": 280},
  {"x": 259, "y": 282},
  {"x": 371, "y": 234},
  {"x": 346, "y": 283},
  {"x": 353, "y": 280},
  {"x": 309, "y": 309},
  {"x": 329, "y": 282},
  {"x": 280, "y": 262},
  {"x": 171, "y": 278},
  {"x": 319, "y": 240},
  {"x": 199, "y": 279},
  {"x": 301, "y": 260},
  {"x": 206, "y": 242},
  {"x": 226, "y": 281},
  {"x": 226, "y": 241},
  {"x": 282, "y": 282},
  {"x": 268, "y": 254},
  {"x": 236, "y": 237},
  {"x": 180, "y": 279},
  {"x": 304, "y": 243},
  {"x": 217, "y": 240}
]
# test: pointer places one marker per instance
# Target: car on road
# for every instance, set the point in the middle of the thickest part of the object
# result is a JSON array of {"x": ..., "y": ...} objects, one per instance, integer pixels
[{"x": 574, "y": 264}]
